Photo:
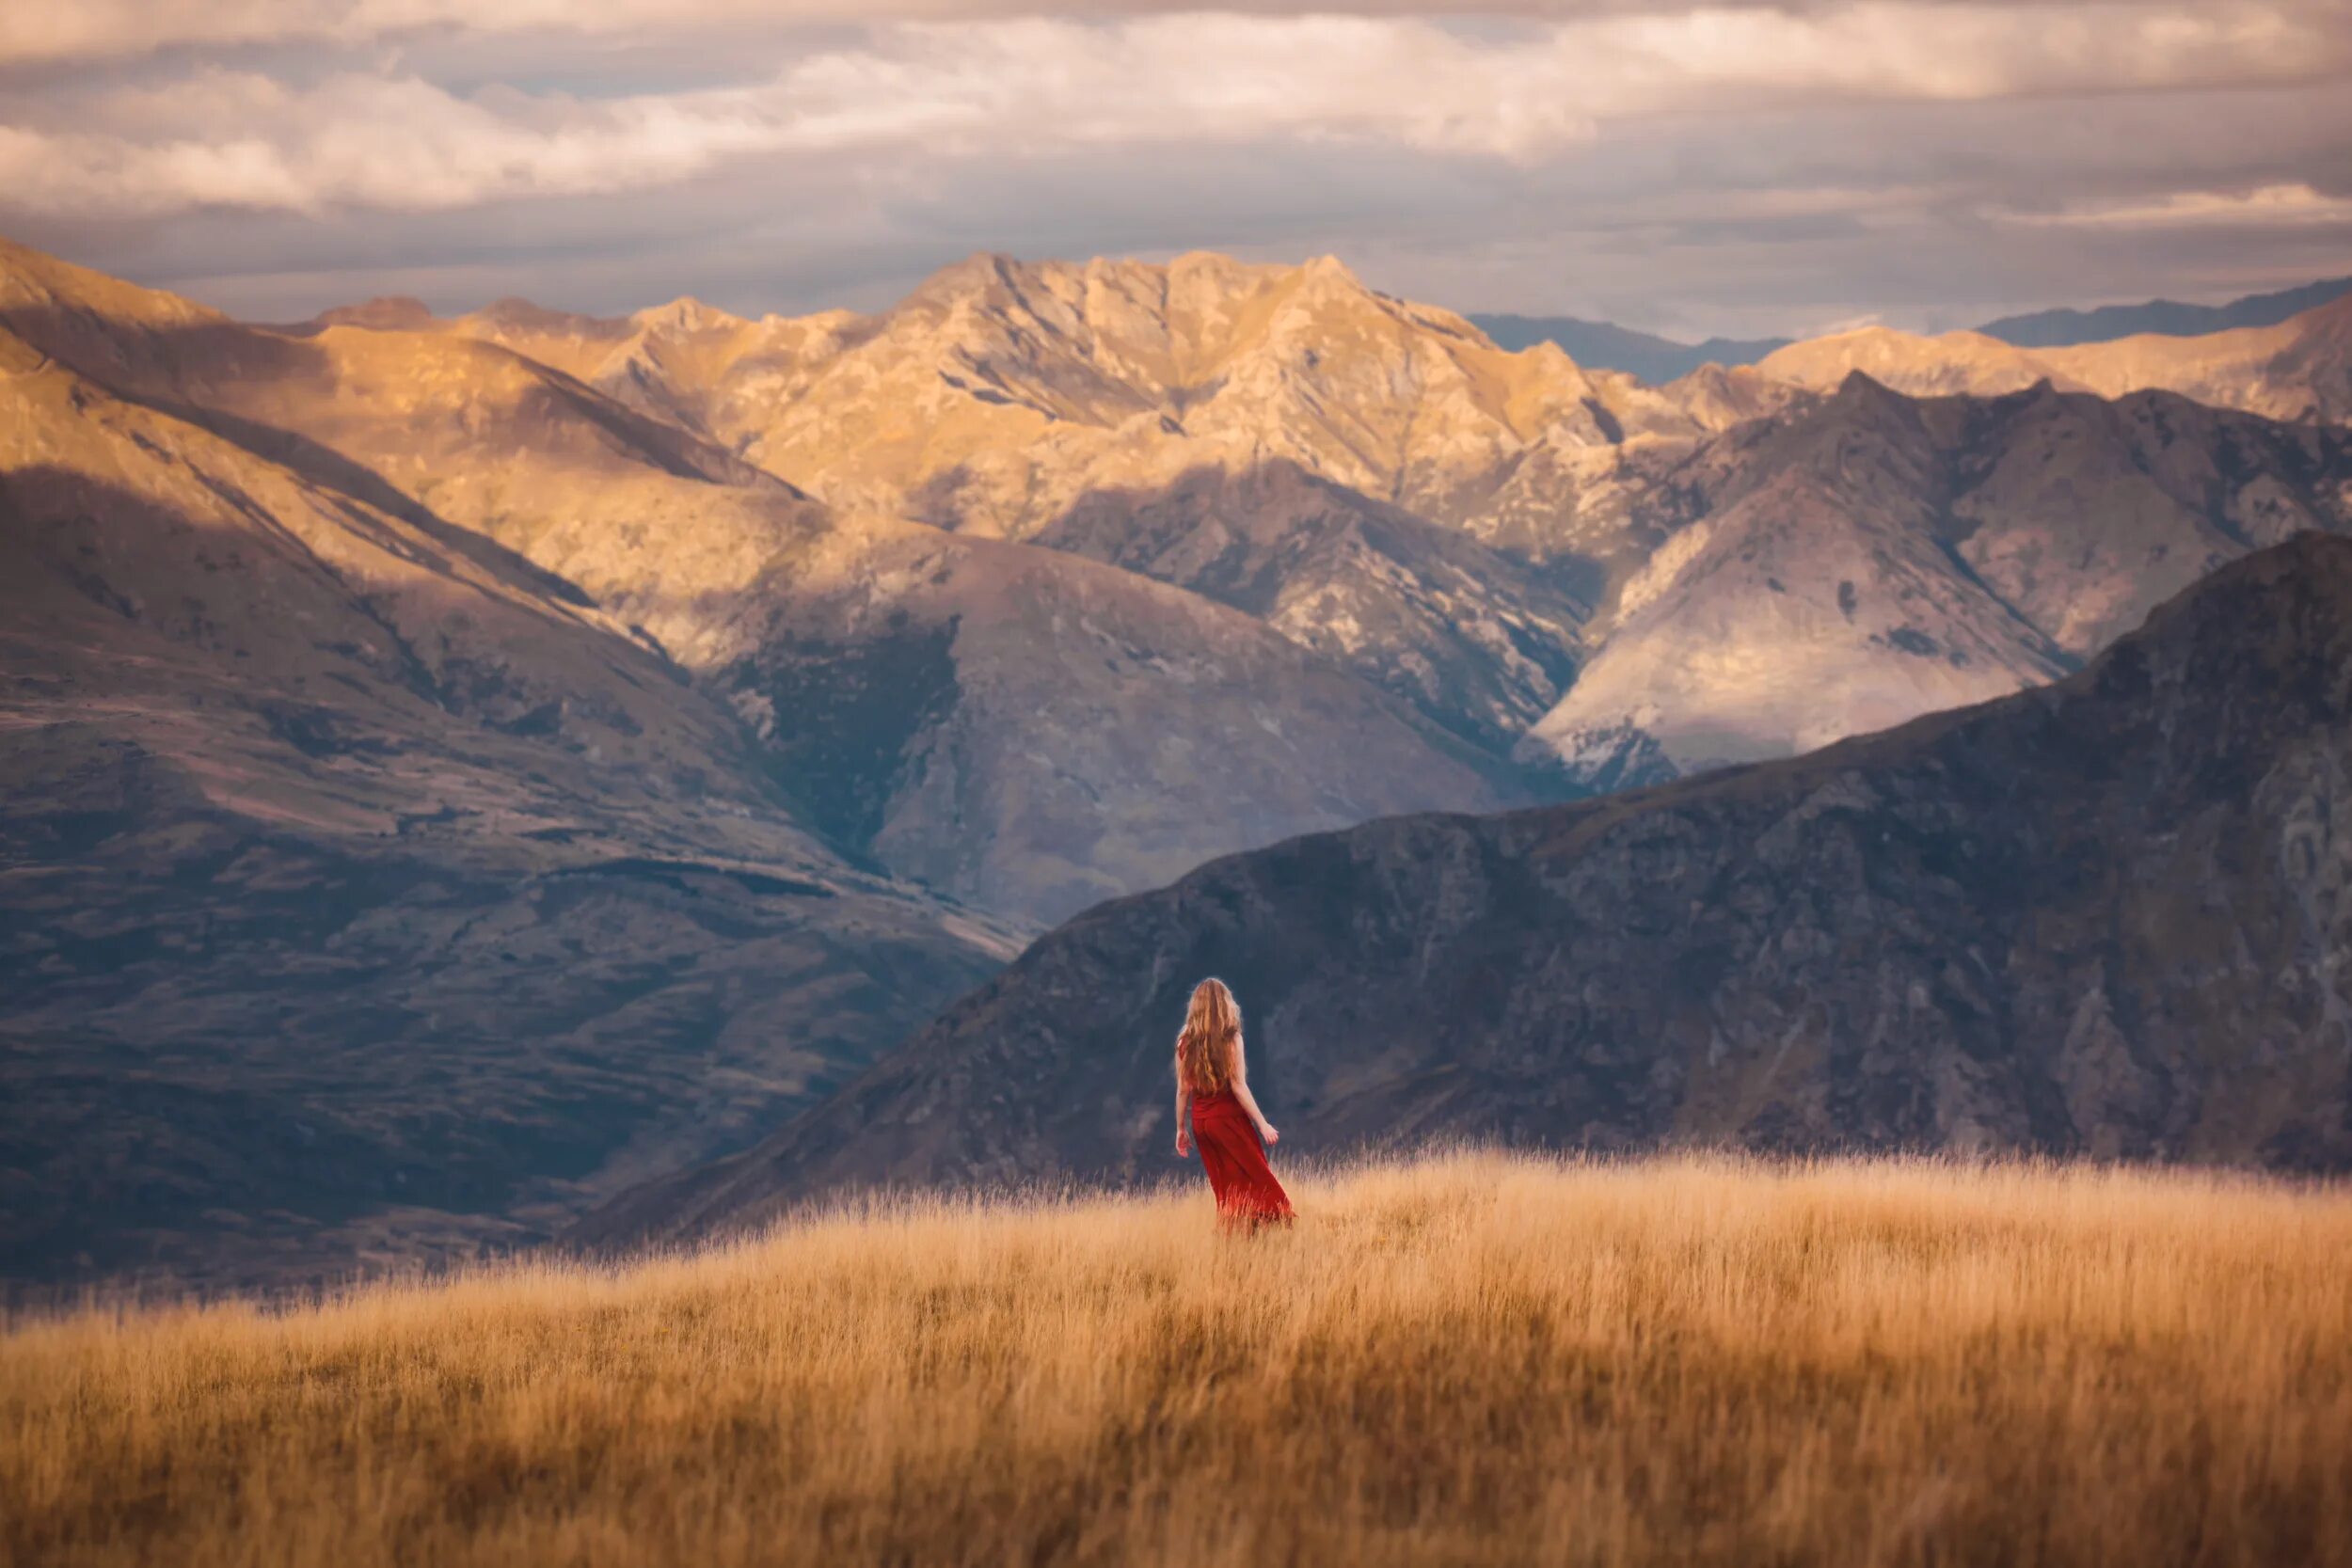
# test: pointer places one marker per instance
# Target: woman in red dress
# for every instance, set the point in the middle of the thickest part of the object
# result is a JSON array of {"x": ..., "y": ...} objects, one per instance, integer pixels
[{"x": 1212, "y": 1097}]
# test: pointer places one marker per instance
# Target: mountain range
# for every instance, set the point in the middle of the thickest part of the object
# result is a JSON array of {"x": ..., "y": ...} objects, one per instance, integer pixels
[
  {"x": 368, "y": 891},
  {"x": 2109, "y": 917},
  {"x": 461, "y": 768},
  {"x": 1653, "y": 359},
  {"x": 1517, "y": 547},
  {"x": 2294, "y": 370}
]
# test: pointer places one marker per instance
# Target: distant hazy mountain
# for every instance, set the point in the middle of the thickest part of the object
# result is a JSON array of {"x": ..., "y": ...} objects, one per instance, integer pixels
[
  {"x": 2299, "y": 368},
  {"x": 2109, "y": 917},
  {"x": 2166, "y": 317},
  {"x": 1605, "y": 345}
]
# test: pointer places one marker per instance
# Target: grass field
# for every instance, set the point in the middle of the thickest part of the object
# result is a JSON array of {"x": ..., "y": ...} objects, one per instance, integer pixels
[{"x": 1467, "y": 1358}]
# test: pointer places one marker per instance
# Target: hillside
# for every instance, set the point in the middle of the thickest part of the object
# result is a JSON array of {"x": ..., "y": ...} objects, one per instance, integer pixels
[
  {"x": 2104, "y": 917},
  {"x": 364, "y": 892},
  {"x": 1458, "y": 1359}
]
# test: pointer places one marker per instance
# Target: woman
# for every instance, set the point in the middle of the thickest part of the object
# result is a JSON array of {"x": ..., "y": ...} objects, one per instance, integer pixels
[{"x": 1213, "y": 1095}]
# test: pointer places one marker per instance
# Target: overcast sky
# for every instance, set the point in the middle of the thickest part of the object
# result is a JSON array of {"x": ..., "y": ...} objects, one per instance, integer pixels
[{"x": 1744, "y": 169}]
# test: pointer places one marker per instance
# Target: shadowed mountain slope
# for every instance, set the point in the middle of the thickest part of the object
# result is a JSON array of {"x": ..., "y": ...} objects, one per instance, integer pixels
[
  {"x": 363, "y": 898},
  {"x": 2112, "y": 916},
  {"x": 1481, "y": 643}
]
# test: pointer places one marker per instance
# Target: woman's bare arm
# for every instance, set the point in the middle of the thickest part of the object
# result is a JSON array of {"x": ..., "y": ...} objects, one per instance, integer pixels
[
  {"x": 1248, "y": 1101},
  {"x": 1184, "y": 1117}
]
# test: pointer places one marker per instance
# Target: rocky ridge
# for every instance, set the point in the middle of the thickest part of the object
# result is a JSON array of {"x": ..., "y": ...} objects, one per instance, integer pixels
[{"x": 1851, "y": 565}]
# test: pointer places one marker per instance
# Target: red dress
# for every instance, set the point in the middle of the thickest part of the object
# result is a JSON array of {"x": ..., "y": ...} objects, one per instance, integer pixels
[{"x": 1246, "y": 1191}]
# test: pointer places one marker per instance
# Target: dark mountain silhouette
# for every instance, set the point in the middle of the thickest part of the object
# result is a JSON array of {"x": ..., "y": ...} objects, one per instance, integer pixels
[
  {"x": 1605, "y": 345},
  {"x": 2112, "y": 916},
  {"x": 2169, "y": 317}
]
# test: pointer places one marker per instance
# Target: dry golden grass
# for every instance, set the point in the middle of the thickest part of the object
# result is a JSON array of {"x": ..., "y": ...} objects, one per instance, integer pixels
[{"x": 1468, "y": 1359}]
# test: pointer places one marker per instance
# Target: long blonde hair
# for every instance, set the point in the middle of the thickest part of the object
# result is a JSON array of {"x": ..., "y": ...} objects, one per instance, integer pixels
[{"x": 1211, "y": 1038}]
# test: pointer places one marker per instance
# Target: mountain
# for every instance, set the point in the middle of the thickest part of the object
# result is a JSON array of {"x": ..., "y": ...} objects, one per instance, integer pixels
[
  {"x": 2161, "y": 317},
  {"x": 1606, "y": 346},
  {"x": 995, "y": 396},
  {"x": 1613, "y": 583},
  {"x": 1010, "y": 725},
  {"x": 440, "y": 794},
  {"x": 366, "y": 893},
  {"x": 2106, "y": 917},
  {"x": 1873, "y": 557},
  {"x": 1036, "y": 402},
  {"x": 1034, "y": 733},
  {"x": 2297, "y": 369},
  {"x": 1481, "y": 643},
  {"x": 860, "y": 533},
  {"x": 1967, "y": 363},
  {"x": 1600, "y": 344},
  {"x": 461, "y": 768}
]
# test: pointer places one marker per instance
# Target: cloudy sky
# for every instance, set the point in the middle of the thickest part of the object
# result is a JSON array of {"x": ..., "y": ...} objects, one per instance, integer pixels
[{"x": 1736, "y": 167}]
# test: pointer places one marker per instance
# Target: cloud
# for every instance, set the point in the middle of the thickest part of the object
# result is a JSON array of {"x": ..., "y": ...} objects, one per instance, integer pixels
[
  {"x": 102, "y": 28},
  {"x": 1737, "y": 168},
  {"x": 366, "y": 141},
  {"x": 217, "y": 137},
  {"x": 225, "y": 138},
  {"x": 2268, "y": 206}
]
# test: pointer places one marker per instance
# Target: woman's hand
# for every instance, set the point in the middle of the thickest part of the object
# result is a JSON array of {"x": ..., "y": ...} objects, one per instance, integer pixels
[
  {"x": 1183, "y": 1142},
  {"x": 1265, "y": 1131}
]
